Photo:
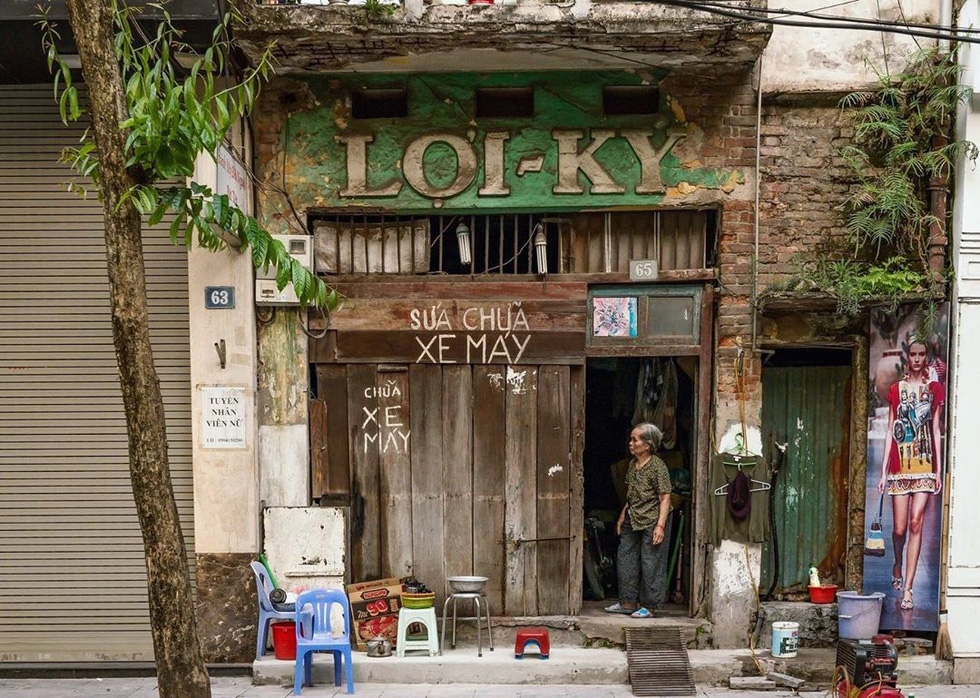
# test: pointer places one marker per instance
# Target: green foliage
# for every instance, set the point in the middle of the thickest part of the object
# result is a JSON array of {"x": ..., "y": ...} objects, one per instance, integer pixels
[
  {"x": 174, "y": 111},
  {"x": 851, "y": 283},
  {"x": 377, "y": 10},
  {"x": 900, "y": 133}
]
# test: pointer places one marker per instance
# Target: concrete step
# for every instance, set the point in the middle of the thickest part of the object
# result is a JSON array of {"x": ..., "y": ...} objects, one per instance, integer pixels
[
  {"x": 593, "y": 628},
  {"x": 583, "y": 666}
]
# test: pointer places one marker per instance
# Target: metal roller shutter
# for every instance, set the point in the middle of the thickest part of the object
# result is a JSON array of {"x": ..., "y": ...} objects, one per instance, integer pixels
[{"x": 72, "y": 575}]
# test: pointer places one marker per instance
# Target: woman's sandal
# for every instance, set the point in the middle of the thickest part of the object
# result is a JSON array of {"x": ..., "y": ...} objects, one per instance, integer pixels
[
  {"x": 641, "y": 613},
  {"x": 619, "y": 608},
  {"x": 896, "y": 581},
  {"x": 907, "y": 603}
]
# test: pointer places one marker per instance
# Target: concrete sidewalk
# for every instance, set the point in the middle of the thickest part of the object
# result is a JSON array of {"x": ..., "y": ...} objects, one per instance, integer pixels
[
  {"x": 242, "y": 687},
  {"x": 601, "y": 667}
]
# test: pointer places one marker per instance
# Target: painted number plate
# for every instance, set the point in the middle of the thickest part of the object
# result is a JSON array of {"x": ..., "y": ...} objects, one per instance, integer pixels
[
  {"x": 219, "y": 297},
  {"x": 643, "y": 269}
]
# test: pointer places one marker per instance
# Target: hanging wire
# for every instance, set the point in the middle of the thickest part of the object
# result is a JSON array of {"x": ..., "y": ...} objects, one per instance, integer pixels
[{"x": 317, "y": 335}]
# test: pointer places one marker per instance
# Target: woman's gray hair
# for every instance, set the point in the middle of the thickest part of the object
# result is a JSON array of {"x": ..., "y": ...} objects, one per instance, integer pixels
[{"x": 651, "y": 435}]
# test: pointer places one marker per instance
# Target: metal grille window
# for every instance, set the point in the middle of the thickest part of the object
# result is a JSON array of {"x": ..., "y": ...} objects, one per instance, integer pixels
[{"x": 510, "y": 244}]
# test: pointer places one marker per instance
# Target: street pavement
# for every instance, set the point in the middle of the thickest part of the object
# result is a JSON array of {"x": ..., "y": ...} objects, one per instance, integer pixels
[{"x": 241, "y": 687}]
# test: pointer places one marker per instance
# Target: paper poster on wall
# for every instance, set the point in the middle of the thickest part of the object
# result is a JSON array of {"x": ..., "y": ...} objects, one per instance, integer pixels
[
  {"x": 906, "y": 467},
  {"x": 223, "y": 417},
  {"x": 614, "y": 317}
]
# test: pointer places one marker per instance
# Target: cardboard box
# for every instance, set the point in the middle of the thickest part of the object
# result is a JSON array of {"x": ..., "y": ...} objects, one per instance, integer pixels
[{"x": 374, "y": 610}]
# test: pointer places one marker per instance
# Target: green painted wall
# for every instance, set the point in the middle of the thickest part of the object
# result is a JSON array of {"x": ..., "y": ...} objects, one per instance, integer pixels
[{"x": 316, "y": 158}]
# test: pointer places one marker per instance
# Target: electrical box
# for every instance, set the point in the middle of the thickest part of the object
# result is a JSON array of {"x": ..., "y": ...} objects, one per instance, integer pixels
[{"x": 300, "y": 248}]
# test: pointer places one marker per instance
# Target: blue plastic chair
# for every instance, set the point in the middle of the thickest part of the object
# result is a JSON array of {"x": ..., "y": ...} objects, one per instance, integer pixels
[
  {"x": 314, "y": 634},
  {"x": 267, "y": 613}
]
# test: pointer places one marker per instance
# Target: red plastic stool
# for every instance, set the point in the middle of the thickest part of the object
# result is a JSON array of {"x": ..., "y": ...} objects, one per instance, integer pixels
[{"x": 538, "y": 636}]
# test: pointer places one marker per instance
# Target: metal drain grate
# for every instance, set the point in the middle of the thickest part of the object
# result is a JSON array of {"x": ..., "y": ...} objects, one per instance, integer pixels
[{"x": 658, "y": 662}]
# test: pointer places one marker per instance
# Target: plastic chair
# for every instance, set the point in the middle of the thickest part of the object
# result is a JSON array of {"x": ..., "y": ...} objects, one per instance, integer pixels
[
  {"x": 267, "y": 613},
  {"x": 314, "y": 634}
]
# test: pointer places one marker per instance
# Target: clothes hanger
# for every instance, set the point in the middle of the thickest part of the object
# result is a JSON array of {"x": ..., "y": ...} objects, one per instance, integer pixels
[
  {"x": 738, "y": 452},
  {"x": 762, "y": 487}
]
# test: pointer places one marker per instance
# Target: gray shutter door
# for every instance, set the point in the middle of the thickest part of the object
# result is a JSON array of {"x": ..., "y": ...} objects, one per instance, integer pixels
[{"x": 72, "y": 574}]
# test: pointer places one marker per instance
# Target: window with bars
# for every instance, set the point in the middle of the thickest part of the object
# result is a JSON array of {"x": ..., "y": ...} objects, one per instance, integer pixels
[{"x": 504, "y": 244}]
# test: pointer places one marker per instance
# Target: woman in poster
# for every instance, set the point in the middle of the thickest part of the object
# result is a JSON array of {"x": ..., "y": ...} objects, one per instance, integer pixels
[{"x": 911, "y": 469}]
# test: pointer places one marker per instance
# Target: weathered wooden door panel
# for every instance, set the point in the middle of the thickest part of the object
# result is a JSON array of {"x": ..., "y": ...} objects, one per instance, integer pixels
[
  {"x": 808, "y": 407},
  {"x": 328, "y": 434},
  {"x": 395, "y": 416},
  {"x": 520, "y": 510},
  {"x": 553, "y": 534},
  {"x": 428, "y": 476},
  {"x": 489, "y": 476},
  {"x": 464, "y": 470},
  {"x": 458, "y": 430},
  {"x": 365, "y": 526}
]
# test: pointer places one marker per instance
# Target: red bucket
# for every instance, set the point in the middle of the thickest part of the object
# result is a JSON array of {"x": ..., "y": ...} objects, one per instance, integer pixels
[
  {"x": 284, "y": 640},
  {"x": 825, "y": 593}
]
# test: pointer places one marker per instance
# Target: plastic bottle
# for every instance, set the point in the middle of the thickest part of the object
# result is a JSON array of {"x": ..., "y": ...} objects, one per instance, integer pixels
[{"x": 814, "y": 577}]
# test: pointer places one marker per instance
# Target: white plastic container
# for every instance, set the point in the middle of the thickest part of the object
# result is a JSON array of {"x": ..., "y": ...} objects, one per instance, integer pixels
[
  {"x": 785, "y": 639},
  {"x": 858, "y": 615}
]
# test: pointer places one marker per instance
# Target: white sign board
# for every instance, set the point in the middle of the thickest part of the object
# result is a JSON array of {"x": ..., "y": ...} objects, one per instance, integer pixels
[
  {"x": 232, "y": 179},
  {"x": 644, "y": 269},
  {"x": 223, "y": 417}
]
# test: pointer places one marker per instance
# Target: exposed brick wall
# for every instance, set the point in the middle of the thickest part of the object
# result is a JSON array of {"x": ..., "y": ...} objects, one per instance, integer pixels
[
  {"x": 803, "y": 182},
  {"x": 724, "y": 107},
  {"x": 277, "y": 99}
]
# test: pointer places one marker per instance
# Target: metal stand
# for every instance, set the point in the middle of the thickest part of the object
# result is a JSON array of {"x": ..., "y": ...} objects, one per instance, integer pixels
[{"x": 481, "y": 602}]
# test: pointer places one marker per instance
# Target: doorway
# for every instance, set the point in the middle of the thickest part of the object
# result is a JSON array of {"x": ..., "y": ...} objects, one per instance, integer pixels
[
  {"x": 458, "y": 470},
  {"x": 806, "y": 398},
  {"x": 622, "y": 392}
]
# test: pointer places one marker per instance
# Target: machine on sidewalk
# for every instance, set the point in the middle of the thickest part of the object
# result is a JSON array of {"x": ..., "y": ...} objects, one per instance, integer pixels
[{"x": 867, "y": 669}]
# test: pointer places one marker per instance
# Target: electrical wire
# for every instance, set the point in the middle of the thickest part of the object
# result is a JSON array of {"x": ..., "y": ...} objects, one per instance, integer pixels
[
  {"x": 873, "y": 24},
  {"x": 961, "y": 35},
  {"x": 315, "y": 335}
]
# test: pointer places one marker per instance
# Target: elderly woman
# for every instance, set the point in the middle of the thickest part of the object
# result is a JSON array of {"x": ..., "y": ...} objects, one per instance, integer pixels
[{"x": 643, "y": 528}]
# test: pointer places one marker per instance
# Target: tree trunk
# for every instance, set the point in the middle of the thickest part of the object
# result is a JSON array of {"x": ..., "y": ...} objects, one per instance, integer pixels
[{"x": 180, "y": 666}]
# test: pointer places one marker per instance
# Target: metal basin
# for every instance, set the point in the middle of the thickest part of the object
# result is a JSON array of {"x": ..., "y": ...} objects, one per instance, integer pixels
[{"x": 467, "y": 584}]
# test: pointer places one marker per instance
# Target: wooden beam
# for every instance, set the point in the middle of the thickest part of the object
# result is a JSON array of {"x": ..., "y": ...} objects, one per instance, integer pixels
[{"x": 700, "y": 494}]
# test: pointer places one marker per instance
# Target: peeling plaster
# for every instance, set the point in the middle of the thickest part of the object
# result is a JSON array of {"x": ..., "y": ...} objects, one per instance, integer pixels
[
  {"x": 752, "y": 440},
  {"x": 519, "y": 381}
]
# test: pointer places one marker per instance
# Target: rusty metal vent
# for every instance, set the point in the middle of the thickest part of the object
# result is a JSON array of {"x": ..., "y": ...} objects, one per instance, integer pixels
[{"x": 658, "y": 662}]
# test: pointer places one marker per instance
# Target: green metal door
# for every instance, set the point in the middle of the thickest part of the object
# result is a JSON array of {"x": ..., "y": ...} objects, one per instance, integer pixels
[{"x": 807, "y": 408}]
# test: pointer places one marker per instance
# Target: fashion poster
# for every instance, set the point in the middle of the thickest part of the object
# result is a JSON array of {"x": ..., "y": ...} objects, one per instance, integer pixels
[{"x": 906, "y": 464}]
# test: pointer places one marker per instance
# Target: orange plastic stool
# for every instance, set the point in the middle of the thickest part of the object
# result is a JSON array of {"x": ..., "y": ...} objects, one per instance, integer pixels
[{"x": 538, "y": 636}]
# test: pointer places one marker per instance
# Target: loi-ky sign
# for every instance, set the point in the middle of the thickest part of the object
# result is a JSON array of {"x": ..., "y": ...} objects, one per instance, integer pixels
[{"x": 572, "y": 159}]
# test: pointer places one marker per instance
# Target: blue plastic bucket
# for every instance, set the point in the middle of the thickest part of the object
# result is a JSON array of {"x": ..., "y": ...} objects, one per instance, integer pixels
[
  {"x": 858, "y": 615},
  {"x": 785, "y": 639}
]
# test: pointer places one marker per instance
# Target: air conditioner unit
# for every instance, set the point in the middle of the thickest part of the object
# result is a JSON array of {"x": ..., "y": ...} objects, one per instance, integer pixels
[{"x": 300, "y": 248}]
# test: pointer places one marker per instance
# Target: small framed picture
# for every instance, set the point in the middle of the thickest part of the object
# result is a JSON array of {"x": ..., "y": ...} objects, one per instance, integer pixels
[{"x": 614, "y": 316}]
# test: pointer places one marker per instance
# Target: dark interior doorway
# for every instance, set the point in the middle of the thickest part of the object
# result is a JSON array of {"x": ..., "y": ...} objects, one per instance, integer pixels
[{"x": 621, "y": 392}]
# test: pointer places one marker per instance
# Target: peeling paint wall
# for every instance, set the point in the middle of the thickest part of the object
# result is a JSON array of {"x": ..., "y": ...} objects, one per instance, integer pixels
[
  {"x": 734, "y": 594},
  {"x": 805, "y": 59},
  {"x": 568, "y": 155}
]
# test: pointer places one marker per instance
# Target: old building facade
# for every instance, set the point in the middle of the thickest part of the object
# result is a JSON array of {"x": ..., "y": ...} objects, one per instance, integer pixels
[{"x": 546, "y": 221}]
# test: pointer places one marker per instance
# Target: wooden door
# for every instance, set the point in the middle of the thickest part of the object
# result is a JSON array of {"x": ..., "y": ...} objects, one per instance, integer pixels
[{"x": 462, "y": 469}]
